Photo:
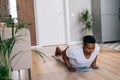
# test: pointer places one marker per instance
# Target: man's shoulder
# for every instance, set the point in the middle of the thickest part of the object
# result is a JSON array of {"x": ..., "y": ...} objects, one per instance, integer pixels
[
  {"x": 97, "y": 48},
  {"x": 73, "y": 51}
]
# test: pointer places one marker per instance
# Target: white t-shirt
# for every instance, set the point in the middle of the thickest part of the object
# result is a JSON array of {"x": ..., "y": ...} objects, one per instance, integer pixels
[{"x": 77, "y": 58}]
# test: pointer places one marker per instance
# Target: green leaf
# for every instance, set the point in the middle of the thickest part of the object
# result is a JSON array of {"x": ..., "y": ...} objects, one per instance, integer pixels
[
  {"x": 86, "y": 19},
  {"x": 41, "y": 54}
]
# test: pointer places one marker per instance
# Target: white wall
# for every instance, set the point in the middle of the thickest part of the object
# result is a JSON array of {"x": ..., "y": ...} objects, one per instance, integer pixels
[{"x": 74, "y": 8}]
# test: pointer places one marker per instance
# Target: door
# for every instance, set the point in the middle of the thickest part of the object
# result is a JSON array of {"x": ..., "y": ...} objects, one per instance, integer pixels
[
  {"x": 110, "y": 20},
  {"x": 110, "y": 28},
  {"x": 110, "y": 6},
  {"x": 50, "y": 22}
]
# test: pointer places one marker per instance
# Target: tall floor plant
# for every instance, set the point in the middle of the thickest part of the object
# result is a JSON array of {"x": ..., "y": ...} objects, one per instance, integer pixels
[{"x": 7, "y": 44}]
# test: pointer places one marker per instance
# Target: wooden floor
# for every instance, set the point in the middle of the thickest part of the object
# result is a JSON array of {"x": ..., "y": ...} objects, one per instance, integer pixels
[{"x": 108, "y": 62}]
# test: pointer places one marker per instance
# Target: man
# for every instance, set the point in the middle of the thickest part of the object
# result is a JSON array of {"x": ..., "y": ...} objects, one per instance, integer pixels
[{"x": 84, "y": 55}]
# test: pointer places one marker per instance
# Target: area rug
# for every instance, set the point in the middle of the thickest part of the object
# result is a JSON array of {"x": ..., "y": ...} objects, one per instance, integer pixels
[{"x": 115, "y": 45}]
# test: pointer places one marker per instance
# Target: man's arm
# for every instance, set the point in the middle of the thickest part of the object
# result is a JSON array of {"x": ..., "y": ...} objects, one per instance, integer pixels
[
  {"x": 66, "y": 60},
  {"x": 93, "y": 65}
]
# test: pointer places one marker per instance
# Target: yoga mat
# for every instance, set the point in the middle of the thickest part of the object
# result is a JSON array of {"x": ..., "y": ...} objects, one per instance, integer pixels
[{"x": 80, "y": 69}]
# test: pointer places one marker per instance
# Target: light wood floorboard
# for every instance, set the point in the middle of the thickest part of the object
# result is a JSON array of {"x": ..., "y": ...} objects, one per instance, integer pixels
[{"x": 108, "y": 62}]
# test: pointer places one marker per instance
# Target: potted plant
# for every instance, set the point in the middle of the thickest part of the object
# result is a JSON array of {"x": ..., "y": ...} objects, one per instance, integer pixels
[
  {"x": 7, "y": 44},
  {"x": 86, "y": 19}
]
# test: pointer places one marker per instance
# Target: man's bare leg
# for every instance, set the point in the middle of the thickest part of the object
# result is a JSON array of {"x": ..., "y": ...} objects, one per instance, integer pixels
[{"x": 58, "y": 51}]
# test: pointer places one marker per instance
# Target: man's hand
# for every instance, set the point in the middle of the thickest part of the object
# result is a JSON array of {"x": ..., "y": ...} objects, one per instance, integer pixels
[
  {"x": 72, "y": 69},
  {"x": 93, "y": 65}
]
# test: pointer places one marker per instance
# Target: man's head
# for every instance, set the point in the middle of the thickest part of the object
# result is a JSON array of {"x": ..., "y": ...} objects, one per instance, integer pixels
[
  {"x": 89, "y": 44},
  {"x": 89, "y": 39}
]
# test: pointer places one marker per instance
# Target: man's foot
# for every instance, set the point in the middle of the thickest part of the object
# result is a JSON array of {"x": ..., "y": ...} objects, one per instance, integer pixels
[{"x": 58, "y": 51}]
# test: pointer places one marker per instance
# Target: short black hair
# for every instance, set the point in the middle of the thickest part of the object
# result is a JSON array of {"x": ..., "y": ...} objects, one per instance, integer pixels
[{"x": 89, "y": 39}]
